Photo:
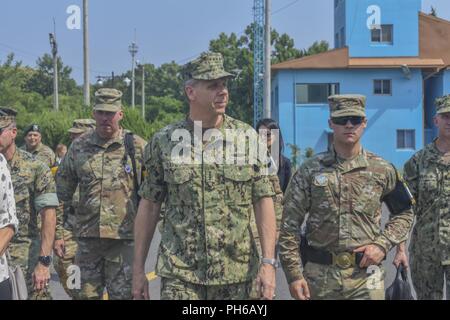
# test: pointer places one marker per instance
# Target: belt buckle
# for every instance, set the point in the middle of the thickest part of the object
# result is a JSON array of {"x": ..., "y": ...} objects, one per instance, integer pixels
[{"x": 344, "y": 260}]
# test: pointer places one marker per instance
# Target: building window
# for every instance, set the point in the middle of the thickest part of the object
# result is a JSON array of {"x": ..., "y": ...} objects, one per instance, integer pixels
[
  {"x": 315, "y": 92},
  {"x": 384, "y": 34},
  {"x": 406, "y": 139},
  {"x": 382, "y": 87},
  {"x": 337, "y": 41}
]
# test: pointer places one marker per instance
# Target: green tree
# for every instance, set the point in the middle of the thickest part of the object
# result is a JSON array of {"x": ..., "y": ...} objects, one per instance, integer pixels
[
  {"x": 295, "y": 155},
  {"x": 238, "y": 57},
  {"x": 42, "y": 78},
  {"x": 316, "y": 48},
  {"x": 283, "y": 48},
  {"x": 309, "y": 153}
]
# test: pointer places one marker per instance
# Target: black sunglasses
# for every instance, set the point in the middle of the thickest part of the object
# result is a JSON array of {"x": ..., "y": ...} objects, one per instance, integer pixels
[{"x": 342, "y": 121}]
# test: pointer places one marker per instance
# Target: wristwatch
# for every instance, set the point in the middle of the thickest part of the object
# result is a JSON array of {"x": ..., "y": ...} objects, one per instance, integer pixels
[
  {"x": 272, "y": 262},
  {"x": 45, "y": 260}
]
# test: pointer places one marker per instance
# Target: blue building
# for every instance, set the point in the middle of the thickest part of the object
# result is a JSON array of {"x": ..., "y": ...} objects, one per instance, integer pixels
[{"x": 387, "y": 50}]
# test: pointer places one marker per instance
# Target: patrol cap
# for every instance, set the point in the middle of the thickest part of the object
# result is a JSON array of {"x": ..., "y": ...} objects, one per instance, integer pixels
[
  {"x": 443, "y": 104},
  {"x": 209, "y": 66},
  {"x": 346, "y": 105},
  {"x": 82, "y": 125},
  {"x": 7, "y": 116},
  {"x": 32, "y": 128},
  {"x": 107, "y": 99}
]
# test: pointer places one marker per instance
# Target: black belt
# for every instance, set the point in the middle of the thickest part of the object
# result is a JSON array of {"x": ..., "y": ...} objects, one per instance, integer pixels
[{"x": 343, "y": 260}]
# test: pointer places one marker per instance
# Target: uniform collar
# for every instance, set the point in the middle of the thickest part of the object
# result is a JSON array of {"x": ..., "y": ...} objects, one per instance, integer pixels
[
  {"x": 189, "y": 123},
  {"x": 37, "y": 149},
  {"x": 95, "y": 139},
  {"x": 332, "y": 159},
  {"x": 436, "y": 155},
  {"x": 225, "y": 124},
  {"x": 15, "y": 157}
]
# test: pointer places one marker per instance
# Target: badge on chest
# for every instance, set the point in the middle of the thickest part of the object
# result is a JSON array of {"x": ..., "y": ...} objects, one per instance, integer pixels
[{"x": 321, "y": 180}]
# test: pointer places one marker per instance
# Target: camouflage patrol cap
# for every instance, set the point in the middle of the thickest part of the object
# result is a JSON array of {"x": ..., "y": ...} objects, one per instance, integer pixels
[
  {"x": 82, "y": 125},
  {"x": 443, "y": 104},
  {"x": 7, "y": 116},
  {"x": 32, "y": 128},
  {"x": 107, "y": 99},
  {"x": 347, "y": 105},
  {"x": 209, "y": 66}
]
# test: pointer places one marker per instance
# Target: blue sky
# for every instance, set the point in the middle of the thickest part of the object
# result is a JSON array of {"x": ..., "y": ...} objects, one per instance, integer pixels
[{"x": 167, "y": 30}]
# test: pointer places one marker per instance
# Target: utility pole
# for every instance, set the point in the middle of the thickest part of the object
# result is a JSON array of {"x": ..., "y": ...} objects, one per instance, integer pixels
[
  {"x": 143, "y": 91},
  {"x": 86, "y": 88},
  {"x": 267, "y": 64},
  {"x": 133, "y": 49},
  {"x": 54, "y": 46}
]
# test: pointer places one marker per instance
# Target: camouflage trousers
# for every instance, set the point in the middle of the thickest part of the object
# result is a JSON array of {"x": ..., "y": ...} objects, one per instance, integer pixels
[
  {"x": 105, "y": 263},
  {"x": 175, "y": 289},
  {"x": 428, "y": 276},
  {"x": 333, "y": 283},
  {"x": 62, "y": 264},
  {"x": 25, "y": 252}
]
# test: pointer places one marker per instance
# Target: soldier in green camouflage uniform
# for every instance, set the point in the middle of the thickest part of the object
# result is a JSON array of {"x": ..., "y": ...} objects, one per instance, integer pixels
[
  {"x": 98, "y": 163},
  {"x": 65, "y": 246},
  {"x": 33, "y": 144},
  {"x": 34, "y": 192},
  {"x": 340, "y": 191},
  {"x": 207, "y": 250},
  {"x": 428, "y": 175}
]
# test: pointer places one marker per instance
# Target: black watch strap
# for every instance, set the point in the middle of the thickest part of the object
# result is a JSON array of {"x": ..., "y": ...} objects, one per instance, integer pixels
[{"x": 45, "y": 260}]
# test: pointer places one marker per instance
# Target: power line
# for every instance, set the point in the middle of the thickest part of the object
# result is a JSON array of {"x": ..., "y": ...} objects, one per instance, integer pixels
[
  {"x": 93, "y": 71},
  {"x": 285, "y": 7},
  {"x": 34, "y": 55},
  {"x": 242, "y": 32}
]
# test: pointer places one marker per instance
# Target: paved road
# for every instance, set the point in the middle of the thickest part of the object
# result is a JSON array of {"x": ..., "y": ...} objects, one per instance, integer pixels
[{"x": 282, "y": 291}]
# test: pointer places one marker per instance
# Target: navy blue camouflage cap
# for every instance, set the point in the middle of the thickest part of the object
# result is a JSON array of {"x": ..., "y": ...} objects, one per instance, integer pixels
[
  {"x": 209, "y": 66},
  {"x": 443, "y": 104}
]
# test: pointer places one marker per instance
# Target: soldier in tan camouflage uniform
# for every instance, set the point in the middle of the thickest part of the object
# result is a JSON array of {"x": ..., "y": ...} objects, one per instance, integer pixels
[
  {"x": 65, "y": 246},
  {"x": 34, "y": 192},
  {"x": 428, "y": 175},
  {"x": 207, "y": 250},
  {"x": 341, "y": 191},
  {"x": 98, "y": 163},
  {"x": 33, "y": 144}
]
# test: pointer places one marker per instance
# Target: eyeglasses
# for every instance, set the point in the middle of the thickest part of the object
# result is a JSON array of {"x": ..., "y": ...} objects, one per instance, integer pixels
[{"x": 342, "y": 121}]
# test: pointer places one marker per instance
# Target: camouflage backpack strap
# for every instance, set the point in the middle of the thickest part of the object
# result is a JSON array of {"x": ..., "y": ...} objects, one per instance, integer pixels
[{"x": 131, "y": 152}]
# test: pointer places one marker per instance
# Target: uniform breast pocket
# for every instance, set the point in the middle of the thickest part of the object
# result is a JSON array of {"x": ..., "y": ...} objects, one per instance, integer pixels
[
  {"x": 428, "y": 188},
  {"x": 179, "y": 186},
  {"x": 428, "y": 183},
  {"x": 321, "y": 191},
  {"x": 367, "y": 189},
  {"x": 90, "y": 168},
  {"x": 238, "y": 184}
]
